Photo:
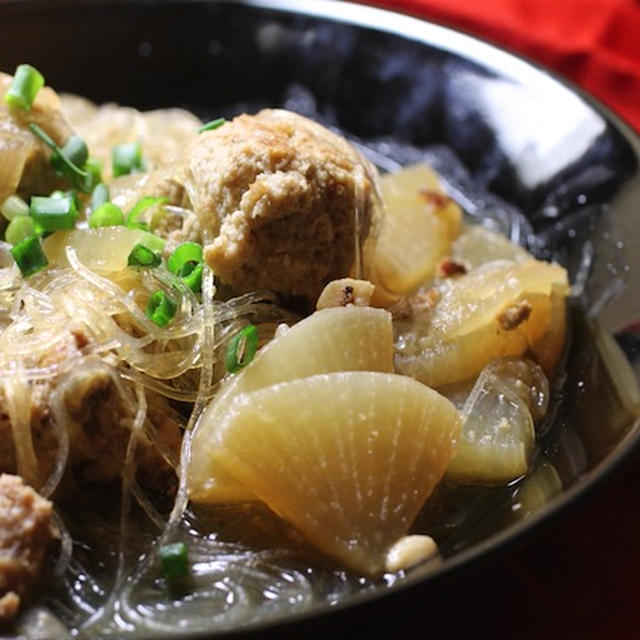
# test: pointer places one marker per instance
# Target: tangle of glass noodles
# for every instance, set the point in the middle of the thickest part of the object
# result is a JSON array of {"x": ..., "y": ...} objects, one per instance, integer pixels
[{"x": 40, "y": 321}]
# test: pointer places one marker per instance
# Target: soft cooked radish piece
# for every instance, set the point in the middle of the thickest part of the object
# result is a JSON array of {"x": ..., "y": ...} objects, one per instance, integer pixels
[
  {"x": 347, "y": 458},
  {"x": 448, "y": 362},
  {"x": 541, "y": 485},
  {"x": 471, "y": 301},
  {"x": 416, "y": 233},
  {"x": 103, "y": 250},
  {"x": 498, "y": 434},
  {"x": 497, "y": 310},
  {"x": 333, "y": 339},
  {"x": 548, "y": 348},
  {"x": 422, "y": 179},
  {"x": 477, "y": 245},
  {"x": 523, "y": 378}
]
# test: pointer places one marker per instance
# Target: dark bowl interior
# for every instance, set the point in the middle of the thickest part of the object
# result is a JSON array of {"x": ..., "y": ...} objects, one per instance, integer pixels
[{"x": 513, "y": 143}]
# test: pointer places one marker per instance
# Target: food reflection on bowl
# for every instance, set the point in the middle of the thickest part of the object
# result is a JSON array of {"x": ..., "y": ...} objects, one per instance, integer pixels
[{"x": 298, "y": 361}]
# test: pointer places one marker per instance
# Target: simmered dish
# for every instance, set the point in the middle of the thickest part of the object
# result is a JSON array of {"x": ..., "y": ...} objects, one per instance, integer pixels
[{"x": 233, "y": 353}]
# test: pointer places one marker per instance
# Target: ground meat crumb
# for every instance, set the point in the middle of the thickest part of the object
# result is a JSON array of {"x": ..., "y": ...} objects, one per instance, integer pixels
[
  {"x": 26, "y": 536},
  {"x": 345, "y": 292},
  {"x": 417, "y": 305},
  {"x": 9, "y": 605},
  {"x": 347, "y": 296},
  {"x": 425, "y": 301},
  {"x": 434, "y": 197},
  {"x": 448, "y": 268},
  {"x": 81, "y": 339},
  {"x": 515, "y": 315}
]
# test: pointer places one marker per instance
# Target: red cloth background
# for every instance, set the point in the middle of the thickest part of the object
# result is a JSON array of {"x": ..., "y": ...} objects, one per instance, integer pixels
[
  {"x": 580, "y": 577},
  {"x": 594, "y": 43}
]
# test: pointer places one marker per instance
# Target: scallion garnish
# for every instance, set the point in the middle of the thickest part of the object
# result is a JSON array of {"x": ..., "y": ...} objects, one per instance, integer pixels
[
  {"x": 29, "y": 256},
  {"x": 174, "y": 559},
  {"x": 142, "y": 256},
  {"x": 99, "y": 196},
  {"x": 71, "y": 193},
  {"x": 13, "y": 207},
  {"x": 152, "y": 241},
  {"x": 193, "y": 279},
  {"x": 53, "y": 214},
  {"x": 186, "y": 263},
  {"x": 26, "y": 83},
  {"x": 93, "y": 169},
  {"x": 214, "y": 124},
  {"x": 241, "y": 349},
  {"x": 188, "y": 254},
  {"x": 161, "y": 309},
  {"x": 144, "y": 204},
  {"x": 126, "y": 158},
  {"x": 106, "y": 215},
  {"x": 75, "y": 151},
  {"x": 59, "y": 159},
  {"x": 18, "y": 229}
]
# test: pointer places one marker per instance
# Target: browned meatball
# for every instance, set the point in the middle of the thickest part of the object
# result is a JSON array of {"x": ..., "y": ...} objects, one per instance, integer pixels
[
  {"x": 280, "y": 202},
  {"x": 26, "y": 535},
  {"x": 97, "y": 420}
]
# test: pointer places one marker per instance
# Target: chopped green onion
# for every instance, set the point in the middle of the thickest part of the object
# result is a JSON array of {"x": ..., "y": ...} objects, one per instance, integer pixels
[
  {"x": 174, "y": 559},
  {"x": 53, "y": 214},
  {"x": 127, "y": 158},
  {"x": 188, "y": 253},
  {"x": 153, "y": 242},
  {"x": 19, "y": 228},
  {"x": 75, "y": 151},
  {"x": 210, "y": 126},
  {"x": 144, "y": 204},
  {"x": 26, "y": 83},
  {"x": 193, "y": 279},
  {"x": 93, "y": 169},
  {"x": 188, "y": 268},
  {"x": 75, "y": 173},
  {"x": 29, "y": 256},
  {"x": 13, "y": 207},
  {"x": 186, "y": 262},
  {"x": 241, "y": 349},
  {"x": 106, "y": 215},
  {"x": 161, "y": 309},
  {"x": 142, "y": 256},
  {"x": 100, "y": 196},
  {"x": 72, "y": 193},
  {"x": 44, "y": 136}
]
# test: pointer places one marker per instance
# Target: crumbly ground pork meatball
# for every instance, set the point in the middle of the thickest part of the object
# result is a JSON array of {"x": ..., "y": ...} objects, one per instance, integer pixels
[
  {"x": 280, "y": 195},
  {"x": 279, "y": 201},
  {"x": 98, "y": 424},
  {"x": 26, "y": 537}
]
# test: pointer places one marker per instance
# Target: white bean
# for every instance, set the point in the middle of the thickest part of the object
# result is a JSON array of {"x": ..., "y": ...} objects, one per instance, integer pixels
[{"x": 410, "y": 551}]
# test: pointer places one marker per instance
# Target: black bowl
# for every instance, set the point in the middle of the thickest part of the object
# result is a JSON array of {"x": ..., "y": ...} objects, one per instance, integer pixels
[{"x": 516, "y": 146}]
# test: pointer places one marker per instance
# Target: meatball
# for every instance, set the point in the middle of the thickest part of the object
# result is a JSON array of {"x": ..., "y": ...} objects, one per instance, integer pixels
[
  {"x": 281, "y": 203},
  {"x": 26, "y": 536},
  {"x": 97, "y": 420}
]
